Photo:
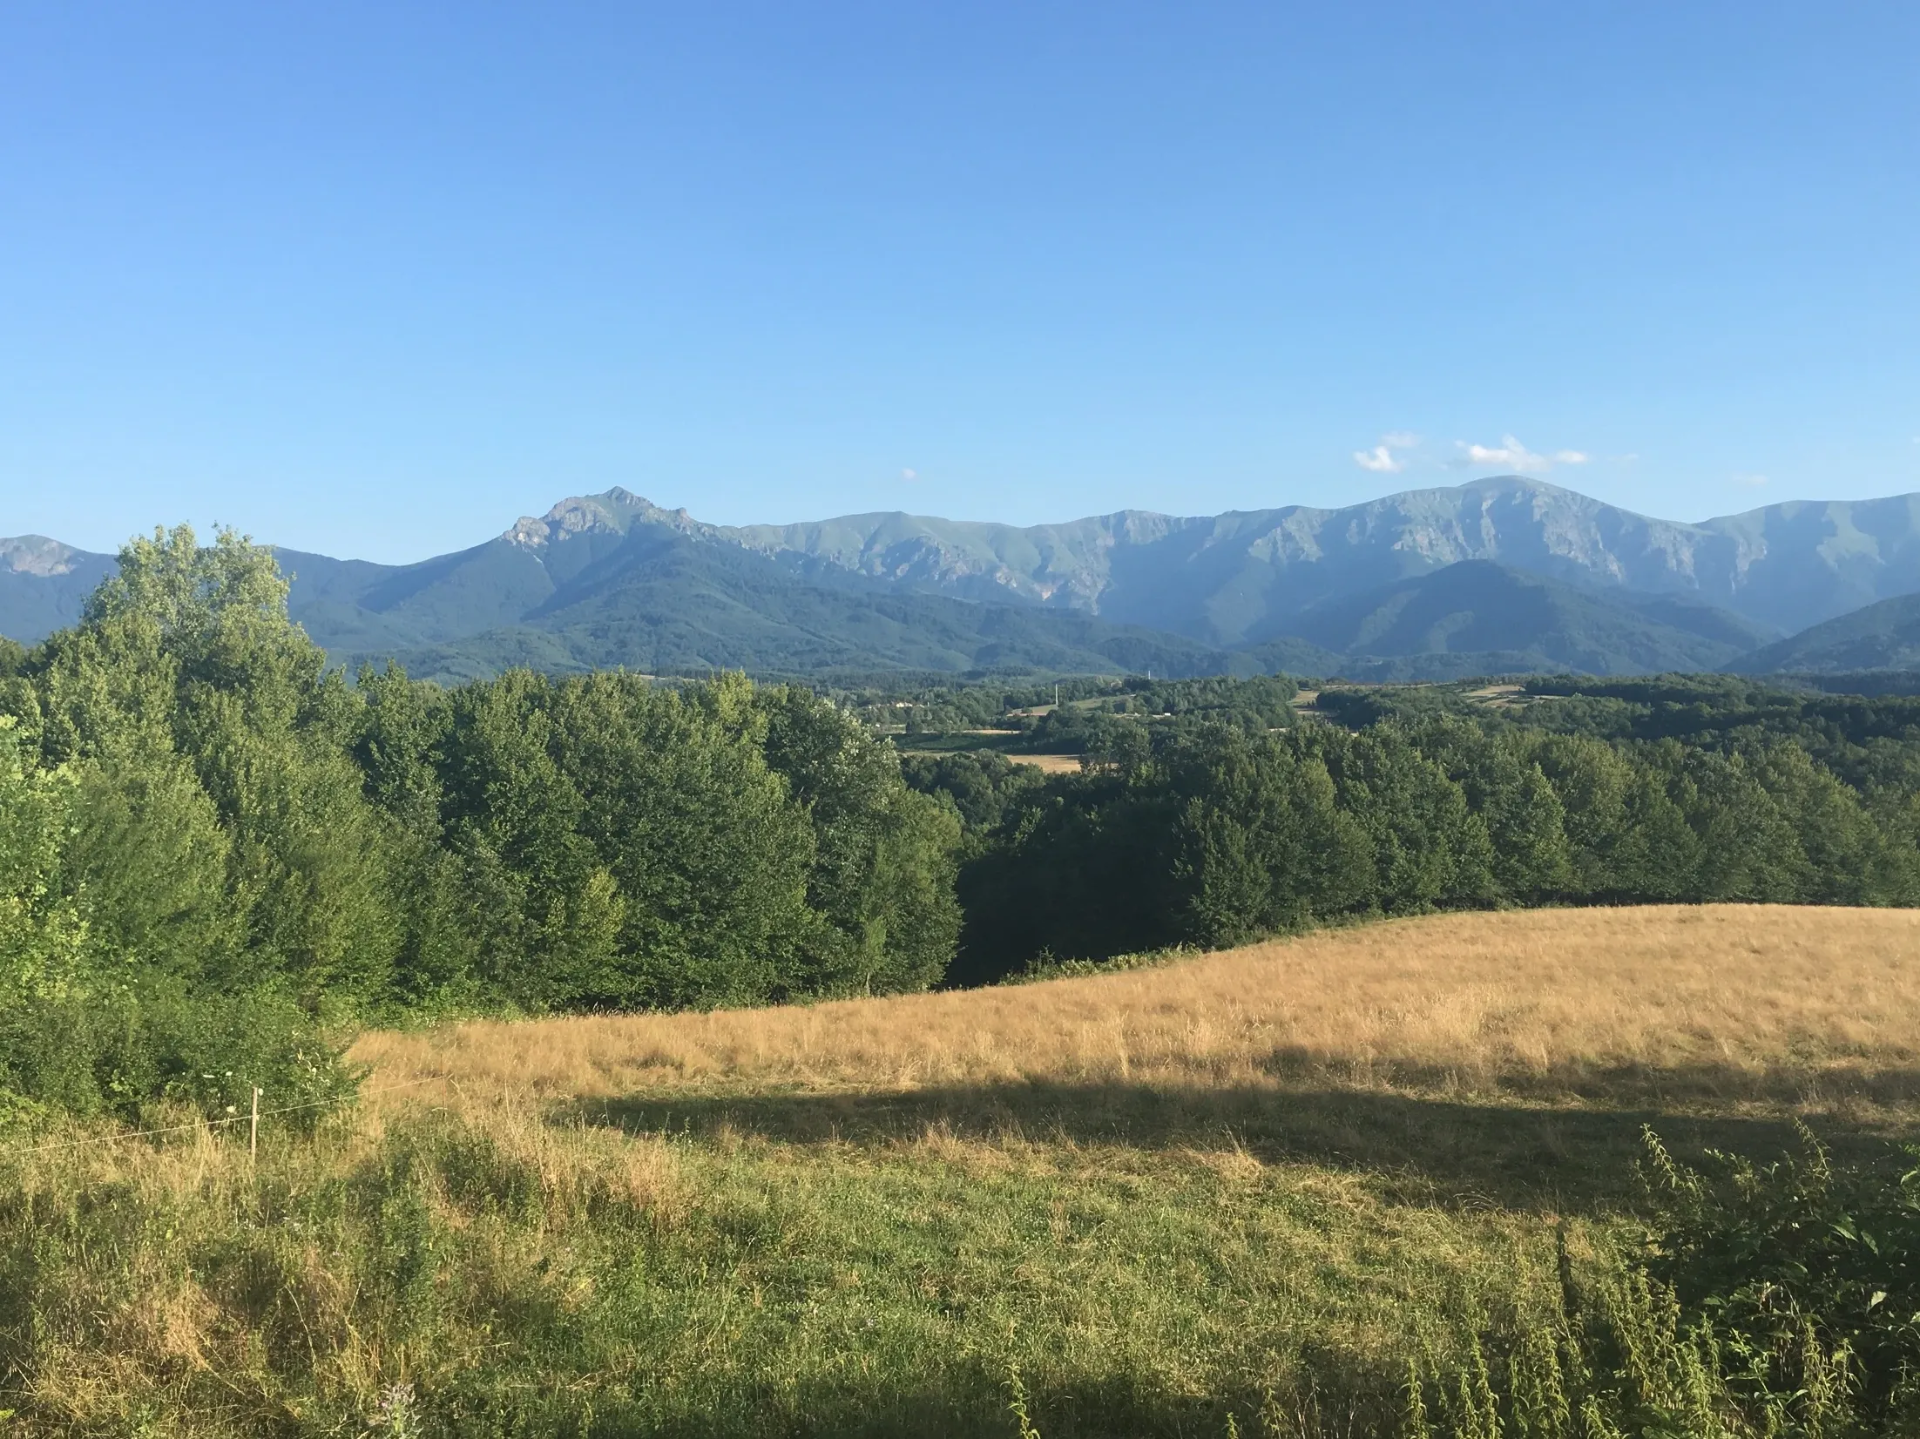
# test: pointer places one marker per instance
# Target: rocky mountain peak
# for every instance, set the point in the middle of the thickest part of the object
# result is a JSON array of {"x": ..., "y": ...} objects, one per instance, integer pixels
[
  {"x": 613, "y": 511},
  {"x": 37, "y": 555}
]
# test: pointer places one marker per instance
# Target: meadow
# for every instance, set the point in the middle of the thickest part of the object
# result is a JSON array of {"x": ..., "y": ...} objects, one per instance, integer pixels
[{"x": 1224, "y": 1193}]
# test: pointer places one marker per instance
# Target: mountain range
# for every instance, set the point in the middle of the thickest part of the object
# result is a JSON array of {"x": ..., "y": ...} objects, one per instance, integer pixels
[{"x": 1498, "y": 576}]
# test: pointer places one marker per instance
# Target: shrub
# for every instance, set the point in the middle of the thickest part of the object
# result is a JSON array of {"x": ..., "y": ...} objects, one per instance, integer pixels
[{"x": 1779, "y": 1300}]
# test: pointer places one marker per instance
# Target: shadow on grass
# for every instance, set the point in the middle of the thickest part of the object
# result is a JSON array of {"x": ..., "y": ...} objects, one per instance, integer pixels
[
  {"x": 1508, "y": 1153},
  {"x": 1324, "y": 1395}
]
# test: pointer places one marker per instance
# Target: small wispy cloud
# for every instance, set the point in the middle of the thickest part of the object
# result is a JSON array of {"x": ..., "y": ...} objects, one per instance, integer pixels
[
  {"x": 1383, "y": 458},
  {"x": 1750, "y": 482},
  {"x": 909, "y": 475},
  {"x": 1511, "y": 454}
]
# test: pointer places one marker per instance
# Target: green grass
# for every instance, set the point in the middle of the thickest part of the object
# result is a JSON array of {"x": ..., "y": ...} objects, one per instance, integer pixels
[
  {"x": 1263, "y": 1247},
  {"x": 520, "y": 1282}
]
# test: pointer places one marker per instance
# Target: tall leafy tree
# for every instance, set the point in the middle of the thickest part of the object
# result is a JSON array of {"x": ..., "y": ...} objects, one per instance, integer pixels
[
  {"x": 884, "y": 856},
  {"x": 1263, "y": 843},
  {"x": 1429, "y": 847},
  {"x": 186, "y": 664},
  {"x": 49, "y": 973}
]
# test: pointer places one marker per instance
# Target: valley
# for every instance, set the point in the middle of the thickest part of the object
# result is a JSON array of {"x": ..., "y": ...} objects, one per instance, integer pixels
[{"x": 959, "y": 722}]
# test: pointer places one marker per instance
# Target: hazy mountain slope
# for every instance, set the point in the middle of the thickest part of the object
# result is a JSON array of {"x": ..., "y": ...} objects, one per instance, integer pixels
[
  {"x": 1804, "y": 562},
  {"x": 44, "y": 584},
  {"x": 445, "y": 598},
  {"x": 494, "y": 586},
  {"x": 613, "y": 578},
  {"x": 1237, "y": 577},
  {"x": 1883, "y": 636},
  {"x": 1487, "y": 618},
  {"x": 673, "y": 602},
  {"x": 1067, "y": 565}
]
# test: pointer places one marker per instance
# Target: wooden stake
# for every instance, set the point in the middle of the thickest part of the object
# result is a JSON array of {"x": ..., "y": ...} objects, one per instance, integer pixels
[{"x": 253, "y": 1134}]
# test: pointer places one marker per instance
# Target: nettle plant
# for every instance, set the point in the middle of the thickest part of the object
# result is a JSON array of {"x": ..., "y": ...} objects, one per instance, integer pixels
[{"x": 1778, "y": 1299}]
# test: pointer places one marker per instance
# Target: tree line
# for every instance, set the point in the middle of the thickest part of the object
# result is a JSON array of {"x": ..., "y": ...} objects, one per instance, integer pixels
[
  {"x": 1209, "y": 834},
  {"x": 217, "y": 855}
]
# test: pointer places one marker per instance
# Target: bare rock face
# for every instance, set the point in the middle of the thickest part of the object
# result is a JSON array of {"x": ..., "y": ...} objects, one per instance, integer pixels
[
  {"x": 612, "y": 513},
  {"x": 44, "y": 585},
  {"x": 37, "y": 555}
]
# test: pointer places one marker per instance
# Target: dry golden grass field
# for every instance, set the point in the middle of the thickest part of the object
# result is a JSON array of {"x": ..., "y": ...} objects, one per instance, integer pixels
[
  {"x": 1511, "y": 1057},
  {"x": 1049, "y": 763},
  {"x": 1721, "y": 1006},
  {"x": 1232, "y": 1193}
]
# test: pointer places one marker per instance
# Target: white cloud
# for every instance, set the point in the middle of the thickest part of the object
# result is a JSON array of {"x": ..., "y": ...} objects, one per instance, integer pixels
[
  {"x": 1509, "y": 452},
  {"x": 1750, "y": 482},
  {"x": 1380, "y": 460},
  {"x": 909, "y": 475},
  {"x": 1512, "y": 455}
]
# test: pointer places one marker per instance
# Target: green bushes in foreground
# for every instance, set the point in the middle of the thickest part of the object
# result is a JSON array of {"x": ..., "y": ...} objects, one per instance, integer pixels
[{"x": 1778, "y": 1299}]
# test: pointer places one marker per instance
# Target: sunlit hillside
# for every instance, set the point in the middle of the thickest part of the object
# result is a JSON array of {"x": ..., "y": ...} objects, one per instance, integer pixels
[
  {"x": 1234, "y": 1194},
  {"x": 1734, "y": 1003}
]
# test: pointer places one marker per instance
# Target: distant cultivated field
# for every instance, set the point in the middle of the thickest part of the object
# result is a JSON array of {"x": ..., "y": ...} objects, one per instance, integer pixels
[
  {"x": 1236, "y": 1189},
  {"x": 1049, "y": 763}
]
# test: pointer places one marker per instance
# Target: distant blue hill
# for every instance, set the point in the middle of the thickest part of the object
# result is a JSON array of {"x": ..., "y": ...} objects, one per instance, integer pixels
[
  {"x": 1878, "y": 637},
  {"x": 1477, "y": 617}
]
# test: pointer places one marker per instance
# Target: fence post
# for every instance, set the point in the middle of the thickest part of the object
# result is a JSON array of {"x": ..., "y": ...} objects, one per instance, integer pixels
[{"x": 253, "y": 1133}]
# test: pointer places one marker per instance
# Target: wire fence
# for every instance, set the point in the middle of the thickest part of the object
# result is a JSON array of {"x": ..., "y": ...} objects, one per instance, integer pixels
[{"x": 252, "y": 1116}]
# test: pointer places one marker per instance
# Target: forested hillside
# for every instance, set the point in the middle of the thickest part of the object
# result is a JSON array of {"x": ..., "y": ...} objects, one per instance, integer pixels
[
  {"x": 1477, "y": 618},
  {"x": 1883, "y": 636},
  {"x": 217, "y": 855}
]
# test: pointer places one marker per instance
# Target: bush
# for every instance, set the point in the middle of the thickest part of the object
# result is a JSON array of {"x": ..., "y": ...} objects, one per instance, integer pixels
[
  {"x": 1777, "y": 1300},
  {"x": 1766, "y": 1254}
]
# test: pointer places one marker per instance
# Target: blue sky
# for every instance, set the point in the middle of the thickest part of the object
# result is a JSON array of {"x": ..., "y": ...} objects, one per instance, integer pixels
[{"x": 375, "y": 279}]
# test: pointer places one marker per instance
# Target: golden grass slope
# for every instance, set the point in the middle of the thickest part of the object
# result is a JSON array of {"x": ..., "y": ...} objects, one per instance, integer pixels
[
  {"x": 1717, "y": 1003},
  {"x": 1238, "y": 1193}
]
